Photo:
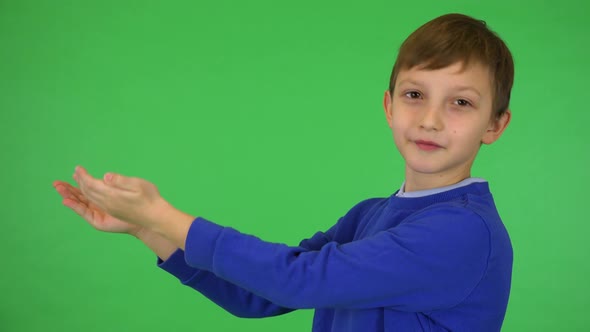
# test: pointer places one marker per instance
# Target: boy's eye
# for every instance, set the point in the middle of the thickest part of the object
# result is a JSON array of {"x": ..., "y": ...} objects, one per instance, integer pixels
[
  {"x": 463, "y": 102},
  {"x": 413, "y": 94}
]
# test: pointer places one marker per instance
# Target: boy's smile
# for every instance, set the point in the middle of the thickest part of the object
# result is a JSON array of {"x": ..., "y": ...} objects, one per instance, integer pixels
[
  {"x": 427, "y": 145},
  {"x": 439, "y": 119}
]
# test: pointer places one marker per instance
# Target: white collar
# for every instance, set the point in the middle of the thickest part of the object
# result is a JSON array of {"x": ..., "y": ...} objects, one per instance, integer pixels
[{"x": 422, "y": 193}]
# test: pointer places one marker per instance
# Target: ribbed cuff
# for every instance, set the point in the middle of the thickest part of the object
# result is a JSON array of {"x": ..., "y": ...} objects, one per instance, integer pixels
[
  {"x": 200, "y": 243},
  {"x": 176, "y": 265}
]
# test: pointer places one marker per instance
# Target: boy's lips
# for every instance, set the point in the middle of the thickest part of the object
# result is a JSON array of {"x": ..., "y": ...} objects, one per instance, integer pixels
[{"x": 427, "y": 145}]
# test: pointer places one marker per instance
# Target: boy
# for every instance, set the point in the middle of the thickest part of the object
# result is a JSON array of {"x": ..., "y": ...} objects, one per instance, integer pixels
[{"x": 434, "y": 256}]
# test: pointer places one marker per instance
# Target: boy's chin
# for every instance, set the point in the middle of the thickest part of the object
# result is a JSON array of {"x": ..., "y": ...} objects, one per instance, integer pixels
[
  {"x": 423, "y": 165},
  {"x": 424, "y": 170},
  {"x": 433, "y": 170}
]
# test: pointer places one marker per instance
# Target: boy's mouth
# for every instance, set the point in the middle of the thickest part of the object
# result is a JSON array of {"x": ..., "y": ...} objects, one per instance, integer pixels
[{"x": 427, "y": 145}]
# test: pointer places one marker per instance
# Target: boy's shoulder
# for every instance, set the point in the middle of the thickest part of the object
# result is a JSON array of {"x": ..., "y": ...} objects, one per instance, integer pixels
[
  {"x": 473, "y": 201},
  {"x": 472, "y": 194}
]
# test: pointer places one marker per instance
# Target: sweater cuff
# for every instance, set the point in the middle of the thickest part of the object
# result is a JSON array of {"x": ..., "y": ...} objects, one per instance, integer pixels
[
  {"x": 200, "y": 243},
  {"x": 176, "y": 266}
]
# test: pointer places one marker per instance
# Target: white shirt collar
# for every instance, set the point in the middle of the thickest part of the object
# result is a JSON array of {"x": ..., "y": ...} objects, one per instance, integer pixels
[{"x": 422, "y": 193}]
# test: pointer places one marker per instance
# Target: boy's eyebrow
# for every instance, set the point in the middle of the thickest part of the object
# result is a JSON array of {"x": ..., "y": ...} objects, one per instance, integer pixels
[
  {"x": 464, "y": 88},
  {"x": 458, "y": 87},
  {"x": 409, "y": 81}
]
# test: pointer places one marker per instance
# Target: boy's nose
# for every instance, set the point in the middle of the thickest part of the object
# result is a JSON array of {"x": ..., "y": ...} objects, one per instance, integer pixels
[{"x": 432, "y": 118}]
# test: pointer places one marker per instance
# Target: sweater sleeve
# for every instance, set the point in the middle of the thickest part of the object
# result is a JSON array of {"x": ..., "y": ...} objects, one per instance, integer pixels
[
  {"x": 432, "y": 260},
  {"x": 234, "y": 299}
]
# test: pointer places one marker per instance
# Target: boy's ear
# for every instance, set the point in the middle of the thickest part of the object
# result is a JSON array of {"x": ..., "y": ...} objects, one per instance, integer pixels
[
  {"x": 387, "y": 107},
  {"x": 496, "y": 128}
]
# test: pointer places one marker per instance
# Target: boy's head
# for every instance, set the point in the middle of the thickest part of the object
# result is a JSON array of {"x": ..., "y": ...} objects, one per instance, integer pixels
[
  {"x": 448, "y": 93},
  {"x": 453, "y": 38}
]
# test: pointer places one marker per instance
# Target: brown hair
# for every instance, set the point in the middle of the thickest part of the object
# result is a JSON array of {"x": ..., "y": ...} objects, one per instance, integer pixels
[{"x": 453, "y": 38}]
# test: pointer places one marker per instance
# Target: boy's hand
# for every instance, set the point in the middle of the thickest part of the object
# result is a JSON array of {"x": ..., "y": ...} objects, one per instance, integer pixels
[
  {"x": 132, "y": 200},
  {"x": 95, "y": 216}
]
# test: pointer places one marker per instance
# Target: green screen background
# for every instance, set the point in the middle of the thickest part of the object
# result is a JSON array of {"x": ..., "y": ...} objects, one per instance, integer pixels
[{"x": 264, "y": 116}]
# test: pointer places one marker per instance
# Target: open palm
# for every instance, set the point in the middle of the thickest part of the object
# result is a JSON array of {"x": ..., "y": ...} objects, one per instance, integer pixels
[{"x": 95, "y": 216}]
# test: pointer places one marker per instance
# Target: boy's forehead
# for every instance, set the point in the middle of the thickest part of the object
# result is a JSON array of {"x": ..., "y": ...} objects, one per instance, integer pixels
[{"x": 472, "y": 74}]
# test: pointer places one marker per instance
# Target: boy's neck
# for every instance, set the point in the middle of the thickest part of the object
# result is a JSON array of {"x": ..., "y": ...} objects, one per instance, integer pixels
[
  {"x": 420, "y": 181},
  {"x": 429, "y": 192}
]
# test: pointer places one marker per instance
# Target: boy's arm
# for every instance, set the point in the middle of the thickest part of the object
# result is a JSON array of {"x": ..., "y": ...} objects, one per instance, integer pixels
[
  {"x": 432, "y": 260},
  {"x": 234, "y": 299},
  {"x": 429, "y": 262},
  {"x": 230, "y": 297}
]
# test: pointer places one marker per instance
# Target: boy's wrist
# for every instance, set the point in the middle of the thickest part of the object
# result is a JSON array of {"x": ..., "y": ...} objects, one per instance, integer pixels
[
  {"x": 155, "y": 219},
  {"x": 158, "y": 243},
  {"x": 141, "y": 233},
  {"x": 170, "y": 223}
]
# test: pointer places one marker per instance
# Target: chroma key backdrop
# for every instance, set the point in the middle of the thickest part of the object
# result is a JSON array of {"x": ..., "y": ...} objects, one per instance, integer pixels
[{"x": 265, "y": 116}]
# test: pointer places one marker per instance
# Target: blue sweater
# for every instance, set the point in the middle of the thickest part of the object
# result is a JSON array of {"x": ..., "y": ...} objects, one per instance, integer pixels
[{"x": 442, "y": 262}]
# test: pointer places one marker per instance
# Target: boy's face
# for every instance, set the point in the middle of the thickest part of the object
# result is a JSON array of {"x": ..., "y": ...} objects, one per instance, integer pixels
[{"x": 439, "y": 118}]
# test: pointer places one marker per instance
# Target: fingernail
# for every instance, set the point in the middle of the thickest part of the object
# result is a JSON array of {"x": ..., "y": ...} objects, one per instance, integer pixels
[{"x": 108, "y": 177}]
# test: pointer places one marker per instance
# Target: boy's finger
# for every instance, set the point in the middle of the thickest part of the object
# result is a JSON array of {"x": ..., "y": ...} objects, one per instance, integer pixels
[
  {"x": 66, "y": 188},
  {"x": 83, "y": 178},
  {"x": 78, "y": 194},
  {"x": 121, "y": 182},
  {"x": 63, "y": 191},
  {"x": 80, "y": 174},
  {"x": 66, "y": 192},
  {"x": 87, "y": 182},
  {"x": 79, "y": 209},
  {"x": 90, "y": 183},
  {"x": 71, "y": 192}
]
